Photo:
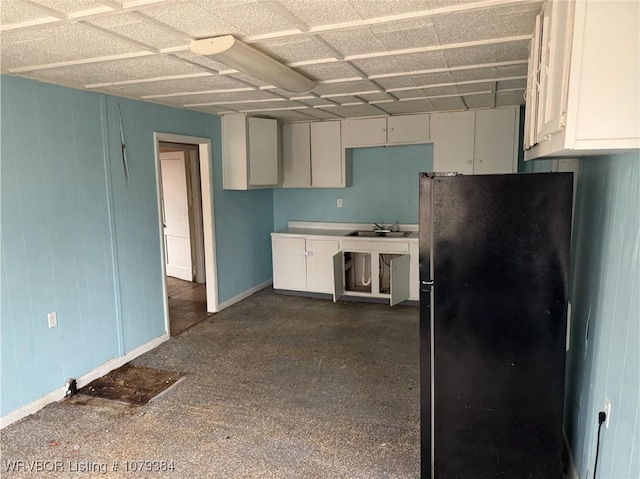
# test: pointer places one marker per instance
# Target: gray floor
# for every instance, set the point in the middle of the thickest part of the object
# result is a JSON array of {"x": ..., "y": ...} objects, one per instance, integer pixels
[{"x": 277, "y": 387}]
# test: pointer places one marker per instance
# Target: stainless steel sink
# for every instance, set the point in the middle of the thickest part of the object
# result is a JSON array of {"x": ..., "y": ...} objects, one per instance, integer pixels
[{"x": 374, "y": 234}]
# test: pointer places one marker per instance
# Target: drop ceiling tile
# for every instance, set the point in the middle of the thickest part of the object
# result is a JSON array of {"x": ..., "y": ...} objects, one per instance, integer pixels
[
  {"x": 231, "y": 99},
  {"x": 328, "y": 71},
  {"x": 293, "y": 49},
  {"x": 348, "y": 87},
  {"x": 413, "y": 33},
  {"x": 354, "y": 41},
  {"x": 322, "y": 13},
  {"x": 483, "y": 24},
  {"x": 347, "y": 99},
  {"x": 202, "y": 60},
  {"x": 504, "y": 85},
  {"x": 184, "y": 85},
  {"x": 58, "y": 43},
  {"x": 474, "y": 87},
  {"x": 252, "y": 18},
  {"x": 396, "y": 82},
  {"x": 360, "y": 110},
  {"x": 430, "y": 92},
  {"x": 248, "y": 79},
  {"x": 375, "y": 97},
  {"x": 263, "y": 106},
  {"x": 191, "y": 19},
  {"x": 402, "y": 107},
  {"x": 401, "y": 63},
  {"x": 371, "y": 9},
  {"x": 12, "y": 11},
  {"x": 151, "y": 66},
  {"x": 489, "y": 73},
  {"x": 318, "y": 102},
  {"x": 73, "y": 6},
  {"x": 478, "y": 101},
  {"x": 134, "y": 27},
  {"x": 320, "y": 113},
  {"x": 500, "y": 52},
  {"x": 288, "y": 116},
  {"x": 431, "y": 78},
  {"x": 510, "y": 98},
  {"x": 450, "y": 103}
]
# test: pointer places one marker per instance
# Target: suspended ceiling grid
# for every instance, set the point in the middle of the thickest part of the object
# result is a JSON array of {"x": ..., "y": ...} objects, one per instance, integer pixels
[{"x": 368, "y": 57}]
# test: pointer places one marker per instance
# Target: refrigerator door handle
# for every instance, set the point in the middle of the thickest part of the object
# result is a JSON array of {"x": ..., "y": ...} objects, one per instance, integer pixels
[{"x": 428, "y": 285}]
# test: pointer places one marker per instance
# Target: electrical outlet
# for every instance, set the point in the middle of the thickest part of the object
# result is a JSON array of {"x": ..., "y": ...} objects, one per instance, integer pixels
[
  {"x": 52, "y": 318},
  {"x": 607, "y": 411},
  {"x": 339, "y": 203}
]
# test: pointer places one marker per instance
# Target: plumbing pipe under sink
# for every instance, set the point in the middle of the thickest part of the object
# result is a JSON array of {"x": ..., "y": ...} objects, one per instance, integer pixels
[{"x": 364, "y": 266}]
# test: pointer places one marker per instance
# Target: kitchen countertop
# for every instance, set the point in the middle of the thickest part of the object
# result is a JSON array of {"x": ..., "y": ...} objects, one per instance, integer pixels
[{"x": 341, "y": 234}]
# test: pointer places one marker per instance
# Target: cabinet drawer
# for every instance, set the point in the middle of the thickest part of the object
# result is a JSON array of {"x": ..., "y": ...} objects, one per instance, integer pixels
[{"x": 377, "y": 246}]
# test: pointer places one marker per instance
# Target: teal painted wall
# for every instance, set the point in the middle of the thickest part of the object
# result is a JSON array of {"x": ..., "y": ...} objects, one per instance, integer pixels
[
  {"x": 384, "y": 190},
  {"x": 77, "y": 239},
  {"x": 604, "y": 358}
]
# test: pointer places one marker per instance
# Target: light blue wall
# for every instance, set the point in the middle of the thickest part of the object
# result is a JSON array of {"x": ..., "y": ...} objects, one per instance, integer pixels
[
  {"x": 79, "y": 240},
  {"x": 384, "y": 190},
  {"x": 604, "y": 359}
]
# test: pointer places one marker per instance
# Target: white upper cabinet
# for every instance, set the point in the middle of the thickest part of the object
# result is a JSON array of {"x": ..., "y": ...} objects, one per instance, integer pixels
[
  {"x": 453, "y": 135},
  {"x": 250, "y": 155},
  {"x": 408, "y": 129},
  {"x": 583, "y": 94},
  {"x": 327, "y": 155},
  {"x": 365, "y": 132},
  {"x": 393, "y": 130},
  {"x": 495, "y": 148},
  {"x": 476, "y": 142},
  {"x": 296, "y": 155}
]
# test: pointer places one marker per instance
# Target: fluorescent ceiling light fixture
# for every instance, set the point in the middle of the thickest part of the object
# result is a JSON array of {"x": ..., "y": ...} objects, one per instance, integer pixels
[{"x": 232, "y": 52}]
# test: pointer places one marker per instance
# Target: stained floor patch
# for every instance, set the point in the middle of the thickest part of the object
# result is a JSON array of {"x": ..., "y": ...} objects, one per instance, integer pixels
[{"x": 131, "y": 384}]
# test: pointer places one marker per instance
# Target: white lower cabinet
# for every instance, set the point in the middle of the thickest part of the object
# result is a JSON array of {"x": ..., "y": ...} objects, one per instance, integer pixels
[
  {"x": 374, "y": 269},
  {"x": 303, "y": 264}
]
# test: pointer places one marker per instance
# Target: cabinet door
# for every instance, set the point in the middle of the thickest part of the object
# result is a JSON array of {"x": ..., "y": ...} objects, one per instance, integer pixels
[
  {"x": 557, "y": 21},
  {"x": 263, "y": 152},
  {"x": 234, "y": 152},
  {"x": 327, "y": 168},
  {"x": 320, "y": 265},
  {"x": 453, "y": 141},
  {"x": 533, "y": 79},
  {"x": 289, "y": 263},
  {"x": 338, "y": 276},
  {"x": 495, "y": 137},
  {"x": 296, "y": 155},
  {"x": 408, "y": 129},
  {"x": 400, "y": 288},
  {"x": 366, "y": 132}
]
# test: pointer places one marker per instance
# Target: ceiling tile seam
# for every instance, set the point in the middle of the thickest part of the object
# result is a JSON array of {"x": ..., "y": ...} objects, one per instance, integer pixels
[
  {"x": 116, "y": 5},
  {"x": 48, "y": 10},
  {"x": 449, "y": 69},
  {"x": 286, "y": 14},
  {"x": 82, "y": 15},
  {"x": 236, "y": 102},
  {"x": 493, "y": 94},
  {"x": 329, "y": 28},
  {"x": 465, "y": 82},
  {"x": 296, "y": 64},
  {"x": 185, "y": 76},
  {"x": 435, "y": 48},
  {"x": 328, "y": 96},
  {"x": 118, "y": 36},
  {"x": 449, "y": 95},
  {"x": 85, "y": 61}
]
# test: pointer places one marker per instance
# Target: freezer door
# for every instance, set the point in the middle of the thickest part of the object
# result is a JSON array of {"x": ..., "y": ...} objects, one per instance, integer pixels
[{"x": 500, "y": 259}]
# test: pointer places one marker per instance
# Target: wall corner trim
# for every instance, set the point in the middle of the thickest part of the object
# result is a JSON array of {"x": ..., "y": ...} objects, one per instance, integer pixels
[
  {"x": 244, "y": 295},
  {"x": 82, "y": 381}
]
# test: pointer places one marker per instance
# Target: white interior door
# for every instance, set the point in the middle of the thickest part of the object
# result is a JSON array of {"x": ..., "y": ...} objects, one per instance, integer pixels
[{"x": 175, "y": 206}]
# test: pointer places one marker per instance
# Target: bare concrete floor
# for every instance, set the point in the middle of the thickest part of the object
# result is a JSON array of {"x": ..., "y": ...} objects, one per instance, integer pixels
[
  {"x": 276, "y": 387},
  {"x": 187, "y": 304}
]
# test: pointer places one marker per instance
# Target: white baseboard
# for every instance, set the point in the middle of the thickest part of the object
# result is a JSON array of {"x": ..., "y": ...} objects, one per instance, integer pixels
[
  {"x": 572, "y": 472},
  {"x": 246, "y": 294},
  {"x": 100, "y": 371}
]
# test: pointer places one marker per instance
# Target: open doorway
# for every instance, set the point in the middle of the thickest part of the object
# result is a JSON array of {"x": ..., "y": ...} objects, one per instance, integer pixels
[{"x": 185, "y": 205}]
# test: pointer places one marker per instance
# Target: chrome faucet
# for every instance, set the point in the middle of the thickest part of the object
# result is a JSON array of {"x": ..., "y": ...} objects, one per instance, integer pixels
[{"x": 380, "y": 229}]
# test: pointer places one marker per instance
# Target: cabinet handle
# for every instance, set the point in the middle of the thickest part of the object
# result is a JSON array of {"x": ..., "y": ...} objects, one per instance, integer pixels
[
  {"x": 469, "y": 162},
  {"x": 308, "y": 253},
  {"x": 391, "y": 129},
  {"x": 479, "y": 161},
  {"x": 384, "y": 129}
]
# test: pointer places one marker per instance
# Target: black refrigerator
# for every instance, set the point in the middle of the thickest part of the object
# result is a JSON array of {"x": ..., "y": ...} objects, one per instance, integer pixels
[{"x": 494, "y": 276}]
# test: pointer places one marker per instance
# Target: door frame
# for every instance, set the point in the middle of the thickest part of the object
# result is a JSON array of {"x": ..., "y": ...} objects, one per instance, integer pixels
[{"x": 208, "y": 218}]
